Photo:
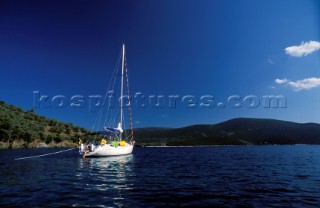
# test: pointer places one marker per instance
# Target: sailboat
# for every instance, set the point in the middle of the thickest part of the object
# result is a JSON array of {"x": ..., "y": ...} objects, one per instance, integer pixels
[{"x": 117, "y": 144}]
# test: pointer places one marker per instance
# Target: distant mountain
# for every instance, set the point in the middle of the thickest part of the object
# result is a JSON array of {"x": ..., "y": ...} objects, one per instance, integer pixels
[
  {"x": 239, "y": 131},
  {"x": 19, "y": 128}
]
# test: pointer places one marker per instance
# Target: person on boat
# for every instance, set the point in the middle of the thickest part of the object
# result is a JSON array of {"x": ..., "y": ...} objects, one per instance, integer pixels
[
  {"x": 103, "y": 141},
  {"x": 115, "y": 143},
  {"x": 87, "y": 150}
]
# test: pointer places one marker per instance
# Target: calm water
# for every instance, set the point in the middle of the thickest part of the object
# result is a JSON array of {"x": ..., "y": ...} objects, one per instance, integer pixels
[{"x": 222, "y": 176}]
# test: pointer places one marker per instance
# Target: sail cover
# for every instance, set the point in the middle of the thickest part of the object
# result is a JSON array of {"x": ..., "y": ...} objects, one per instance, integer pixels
[
  {"x": 104, "y": 133},
  {"x": 108, "y": 132},
  {"x": 112, "y": 130}
]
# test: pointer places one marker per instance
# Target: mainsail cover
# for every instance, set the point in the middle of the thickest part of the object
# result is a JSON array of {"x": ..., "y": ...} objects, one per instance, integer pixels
[
  {"x": 108, "y": 132},
  {"x": 112, "y": 130}
]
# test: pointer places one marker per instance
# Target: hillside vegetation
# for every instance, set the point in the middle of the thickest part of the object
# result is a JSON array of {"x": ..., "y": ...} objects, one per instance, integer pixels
[
  {"x": 240, "y": 131},
  {"x": 19, "y": 128}
]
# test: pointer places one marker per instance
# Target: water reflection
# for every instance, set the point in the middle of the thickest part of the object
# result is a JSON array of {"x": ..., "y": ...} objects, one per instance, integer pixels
[{"x": 105, "y": 175}]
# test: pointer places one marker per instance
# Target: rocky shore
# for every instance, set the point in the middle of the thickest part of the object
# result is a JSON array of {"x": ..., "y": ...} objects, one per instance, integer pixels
[{"x": 16, "y": 144}]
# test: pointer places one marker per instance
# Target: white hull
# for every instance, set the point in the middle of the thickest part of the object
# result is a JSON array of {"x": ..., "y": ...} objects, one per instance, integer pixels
[{"x": 107, "y": 150}]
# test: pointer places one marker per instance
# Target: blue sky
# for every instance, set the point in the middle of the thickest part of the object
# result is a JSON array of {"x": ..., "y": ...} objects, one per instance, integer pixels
[{"x": 219, "y": 48}]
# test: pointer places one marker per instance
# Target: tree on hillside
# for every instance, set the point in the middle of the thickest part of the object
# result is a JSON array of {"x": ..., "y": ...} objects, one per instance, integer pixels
[{"x": 15, "y": 123}]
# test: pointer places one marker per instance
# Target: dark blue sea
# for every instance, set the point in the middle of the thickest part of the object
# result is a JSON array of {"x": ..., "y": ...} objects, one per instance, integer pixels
[{"x": 218, "y": 176}]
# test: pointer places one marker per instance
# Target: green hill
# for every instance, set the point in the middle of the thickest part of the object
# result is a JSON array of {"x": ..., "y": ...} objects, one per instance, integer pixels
[{"x": 19, "y": 128}]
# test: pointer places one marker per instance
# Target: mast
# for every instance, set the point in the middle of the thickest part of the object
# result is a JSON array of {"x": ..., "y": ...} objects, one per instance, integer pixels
[{"x": 121, "y": 96}]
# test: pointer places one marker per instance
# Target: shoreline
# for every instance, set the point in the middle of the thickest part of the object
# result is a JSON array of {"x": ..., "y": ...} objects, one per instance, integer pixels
[
  {"x": 20, "y": 144},
  {"x": 63, "y": 145}
]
